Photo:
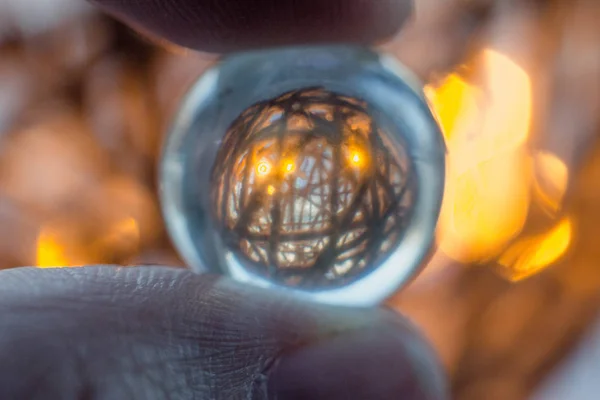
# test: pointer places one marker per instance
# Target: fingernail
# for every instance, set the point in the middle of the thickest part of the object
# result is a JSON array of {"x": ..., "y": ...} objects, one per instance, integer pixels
[{"x": 377, "y": 364}]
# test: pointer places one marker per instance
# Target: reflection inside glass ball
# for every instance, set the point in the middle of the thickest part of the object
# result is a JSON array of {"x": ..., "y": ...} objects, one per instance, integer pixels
[{"x": 307, "y": 190}]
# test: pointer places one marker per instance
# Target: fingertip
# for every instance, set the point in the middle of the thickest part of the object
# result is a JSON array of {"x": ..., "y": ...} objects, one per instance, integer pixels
[
  {"x": 230, "y": 25},
  {"x": 381, "y": 362},
  {"x": 208, "y": 327}
]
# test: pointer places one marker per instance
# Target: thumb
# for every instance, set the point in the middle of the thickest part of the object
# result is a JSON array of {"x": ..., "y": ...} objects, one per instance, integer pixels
[{"x": 155, "y": 333}]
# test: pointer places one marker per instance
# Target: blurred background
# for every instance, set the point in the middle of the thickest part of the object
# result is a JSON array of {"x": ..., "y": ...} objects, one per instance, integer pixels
[{"x": 511, "y": 296}]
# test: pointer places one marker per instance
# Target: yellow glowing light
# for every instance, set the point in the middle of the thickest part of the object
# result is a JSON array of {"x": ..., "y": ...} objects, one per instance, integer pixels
[
  {"x": 55, "y": 250},
  {"x": 263, "y": 168},
  {"x": 550, "y": 181},
  {"x": 288, "y": 166},
  {"x": 485, "y": 209},
  {"x": 452, "y": 102},
  {"x": 507, "y": 119},
  {"x": 489, "y": 170},
  {"x": 271, "y": 190},
  {"x": 532, "y": 254},
  {"x": 357, "y": 157},
  {"x": 49, "y": 252}
]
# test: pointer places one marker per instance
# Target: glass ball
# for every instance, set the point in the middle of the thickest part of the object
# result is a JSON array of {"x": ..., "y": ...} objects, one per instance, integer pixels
[{"x": 319, "y": 170}]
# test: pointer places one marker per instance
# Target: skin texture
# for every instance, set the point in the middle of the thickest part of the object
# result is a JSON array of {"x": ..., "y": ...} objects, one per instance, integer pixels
[
  {"x": 163, "y": 333},
  {"x": 229, "y": 25},
  {"x": 149, "y": 333}
]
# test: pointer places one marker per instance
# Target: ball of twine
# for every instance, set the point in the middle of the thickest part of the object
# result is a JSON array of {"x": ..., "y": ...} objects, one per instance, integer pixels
[{"x": 309, "y": 190}]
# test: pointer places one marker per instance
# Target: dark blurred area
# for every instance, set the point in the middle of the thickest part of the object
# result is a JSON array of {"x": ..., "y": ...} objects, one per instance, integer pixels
[
  {"x": 85, "y": 101},
  {"x": 82, "y": 110}
]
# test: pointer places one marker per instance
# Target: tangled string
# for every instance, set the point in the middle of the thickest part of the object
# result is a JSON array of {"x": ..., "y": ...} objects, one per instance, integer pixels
[{"x": 308, "y": 191}]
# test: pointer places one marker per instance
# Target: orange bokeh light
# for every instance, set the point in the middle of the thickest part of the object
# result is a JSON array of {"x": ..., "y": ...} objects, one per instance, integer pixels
[
  {"x": 263, "y": 168},
  {"x": 288, "y": 166},
  {"x": 54, "y": 249},
  {"x": 50, "y": 253},
  {"x": 357, "y": 157},
  {"x": 529, "y": 255},
  {"x": 490, "y": 168},
  {"x": 551, "y": 177}
]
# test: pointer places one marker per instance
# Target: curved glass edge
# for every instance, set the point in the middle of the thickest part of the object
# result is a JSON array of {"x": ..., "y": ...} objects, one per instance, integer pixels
[
  {"x": 171, "y": 173},
  {"x": 411, "y": 112}
]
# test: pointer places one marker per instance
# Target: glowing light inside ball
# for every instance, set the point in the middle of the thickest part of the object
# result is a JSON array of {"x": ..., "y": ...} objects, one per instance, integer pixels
[
  {"x": 314, "y": 170},
  {"x": 309, "y": 191},
  {"x": 289, "y": 166},
  {"x": 357, "y": 157},
  {"x": 263, "y": 168}
]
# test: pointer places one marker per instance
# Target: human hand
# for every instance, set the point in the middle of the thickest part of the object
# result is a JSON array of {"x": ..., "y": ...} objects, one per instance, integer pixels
[
  {"x": 117, "y": 333},
  {"x": 230, "y": 25},
  {"x": 156, "y": 333}
]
